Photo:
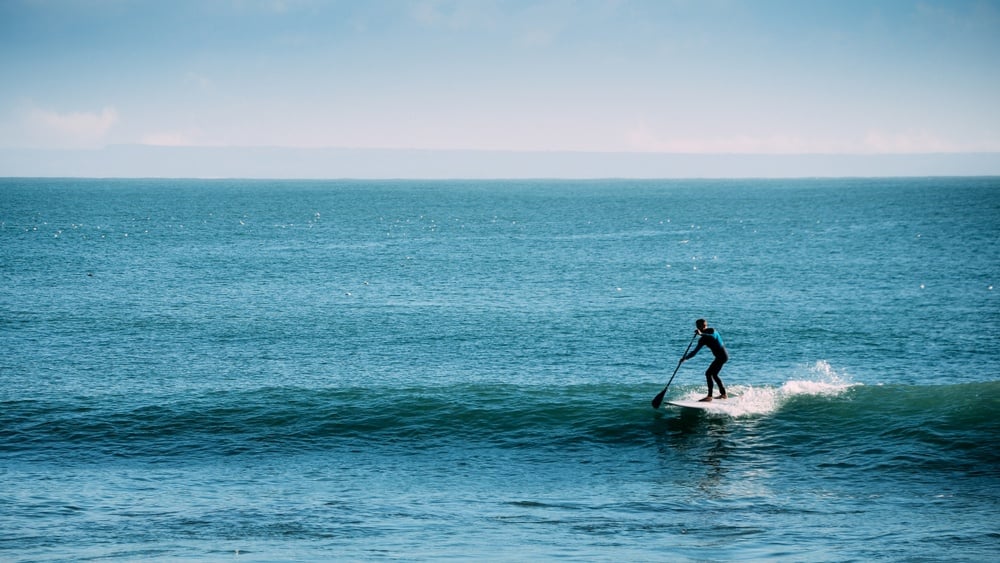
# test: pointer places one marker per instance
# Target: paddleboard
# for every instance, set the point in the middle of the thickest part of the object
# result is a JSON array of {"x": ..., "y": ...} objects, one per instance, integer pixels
[{"x": 716, "y": 405}]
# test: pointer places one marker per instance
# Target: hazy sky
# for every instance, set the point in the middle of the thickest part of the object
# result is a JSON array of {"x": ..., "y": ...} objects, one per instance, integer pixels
[{"x": 779, "y": 76}]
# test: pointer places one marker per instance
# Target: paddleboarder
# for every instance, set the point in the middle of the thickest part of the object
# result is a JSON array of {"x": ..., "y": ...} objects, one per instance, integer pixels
[{"x": 712, "y": 339}]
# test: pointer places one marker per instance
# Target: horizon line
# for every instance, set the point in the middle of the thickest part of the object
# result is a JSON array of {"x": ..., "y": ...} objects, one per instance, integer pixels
[
  {"x": 499, "y": 151},
  {"x": 249, "y": 162}
]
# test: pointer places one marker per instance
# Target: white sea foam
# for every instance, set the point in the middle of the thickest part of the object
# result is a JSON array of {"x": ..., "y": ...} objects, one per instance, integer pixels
[{"x": 747, "y": 400}]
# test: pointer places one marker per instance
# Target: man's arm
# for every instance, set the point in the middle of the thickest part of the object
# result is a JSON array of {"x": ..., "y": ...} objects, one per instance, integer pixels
[{"x": 695, "y": 351}]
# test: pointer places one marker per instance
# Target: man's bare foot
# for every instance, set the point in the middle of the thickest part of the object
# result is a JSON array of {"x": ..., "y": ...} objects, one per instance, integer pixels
[
  {"x": 707, "y": 399},
  {"x": 723, "y": 396}
]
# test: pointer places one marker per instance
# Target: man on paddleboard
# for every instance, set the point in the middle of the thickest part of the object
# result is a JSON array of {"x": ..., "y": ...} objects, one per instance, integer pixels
[{"x": 712, "y": 339}]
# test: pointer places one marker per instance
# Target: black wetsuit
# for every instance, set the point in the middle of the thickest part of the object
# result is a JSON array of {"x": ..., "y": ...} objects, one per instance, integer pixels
[{"x": 713, "y": 340}]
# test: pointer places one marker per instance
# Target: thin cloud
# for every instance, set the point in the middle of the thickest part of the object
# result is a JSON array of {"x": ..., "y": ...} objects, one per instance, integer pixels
[
  {"x": 72, "y": 129},
  {"x": 170, "y": 139},
  {"x": 642, "y": 139},
  {"x": 907, "y": 142}
]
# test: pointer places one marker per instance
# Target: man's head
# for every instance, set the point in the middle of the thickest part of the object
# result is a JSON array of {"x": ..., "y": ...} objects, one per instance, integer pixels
[{"x": 700, "y": 324}]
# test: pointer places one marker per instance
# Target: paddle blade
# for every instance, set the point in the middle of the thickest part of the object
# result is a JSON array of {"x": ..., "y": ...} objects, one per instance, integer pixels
[{"x": 658, "y": 399}]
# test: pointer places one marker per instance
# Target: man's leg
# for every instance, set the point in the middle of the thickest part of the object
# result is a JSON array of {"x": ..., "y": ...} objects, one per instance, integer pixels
[
  {"x": 708, "y": 381},
  {"x": 722, "y": 388},
  {"x": 714, "y": 370}
]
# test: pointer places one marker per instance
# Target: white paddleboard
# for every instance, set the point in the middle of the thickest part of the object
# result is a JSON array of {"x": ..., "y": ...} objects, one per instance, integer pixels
[{"x": 716, "y": 405}]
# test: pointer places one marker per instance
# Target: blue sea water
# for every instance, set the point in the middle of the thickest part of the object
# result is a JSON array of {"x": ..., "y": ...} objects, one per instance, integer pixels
[{"x": 403, "y": 370}]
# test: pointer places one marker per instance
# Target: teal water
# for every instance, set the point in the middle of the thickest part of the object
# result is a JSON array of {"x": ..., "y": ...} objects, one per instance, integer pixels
[{"x": 278, "y": 370}]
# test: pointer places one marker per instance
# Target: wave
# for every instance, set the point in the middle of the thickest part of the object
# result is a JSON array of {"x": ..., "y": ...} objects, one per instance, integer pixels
[
  {"x": 749, "y": 401},
  {"x": 280, "y": 419}
]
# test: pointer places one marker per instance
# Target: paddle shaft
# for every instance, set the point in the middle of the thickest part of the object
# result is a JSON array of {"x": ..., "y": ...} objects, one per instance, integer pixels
[{"x": 657, "y": 400}]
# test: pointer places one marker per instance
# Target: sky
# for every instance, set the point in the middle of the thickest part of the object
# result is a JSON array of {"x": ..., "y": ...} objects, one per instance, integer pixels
[{"x": 660, "y": 76}]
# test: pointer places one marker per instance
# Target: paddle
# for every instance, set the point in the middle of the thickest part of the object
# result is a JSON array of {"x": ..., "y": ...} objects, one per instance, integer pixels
[{"x": 657, "y": 400}]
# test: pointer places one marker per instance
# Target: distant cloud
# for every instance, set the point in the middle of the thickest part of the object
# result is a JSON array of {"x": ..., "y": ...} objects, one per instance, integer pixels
[
  {"x": 76, "y": 129},
  {"x": 906, "y": 142},
  {"x": 170, "y": 139},
  {"x": 641, "y": 139}
]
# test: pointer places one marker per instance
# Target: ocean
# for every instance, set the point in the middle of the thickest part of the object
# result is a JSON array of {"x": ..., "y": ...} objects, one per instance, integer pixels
[{"x": 235, "y": 370}]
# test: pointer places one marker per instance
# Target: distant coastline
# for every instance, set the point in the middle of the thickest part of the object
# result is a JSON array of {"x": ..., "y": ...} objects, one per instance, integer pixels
[{"x": 145, "y": 161}]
